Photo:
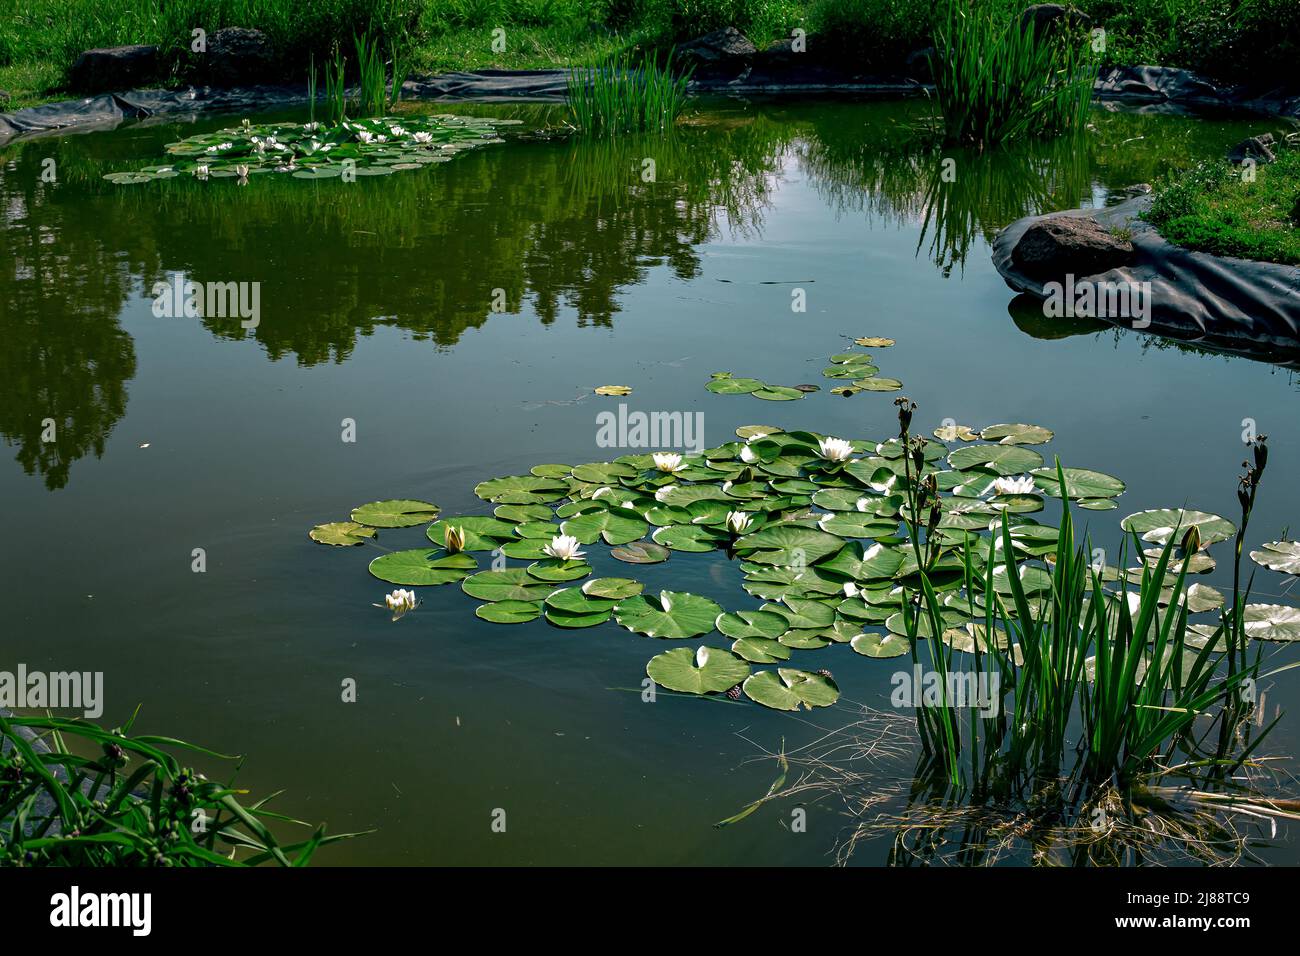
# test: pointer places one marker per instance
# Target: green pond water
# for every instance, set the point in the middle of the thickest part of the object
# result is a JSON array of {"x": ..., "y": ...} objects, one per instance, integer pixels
[{"x": 376, "y": 305}]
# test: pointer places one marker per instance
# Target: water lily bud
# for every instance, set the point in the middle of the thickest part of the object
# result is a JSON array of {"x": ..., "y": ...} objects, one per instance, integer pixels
[
  {"x": 454, "y": 538},
  {"x": 1261, "y": 455},
  {"x": 1192, "y": 540}
]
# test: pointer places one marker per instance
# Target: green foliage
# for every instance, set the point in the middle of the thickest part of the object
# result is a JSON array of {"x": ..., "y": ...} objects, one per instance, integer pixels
[
  {"x": 1212, "y": 208},
  {"x": 131, "y": 803},
  {"x": 620, "y": 97},
  {"x": 996, "y": 80},
  {"x": 875, "y": 36}
]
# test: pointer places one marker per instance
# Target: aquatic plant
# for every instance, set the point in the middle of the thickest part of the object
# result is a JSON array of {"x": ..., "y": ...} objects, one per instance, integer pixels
[
  {"x": 619, "y": 96},
  {"x": 873, "y": 544},
  {"x": 997, "y": 79},
  {"x": 369, "y": 147},
  {"x": 131, "y": 804}
]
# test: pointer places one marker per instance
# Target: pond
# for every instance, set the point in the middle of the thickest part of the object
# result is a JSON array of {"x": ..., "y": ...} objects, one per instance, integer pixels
[{"x": 460, "y": 316}]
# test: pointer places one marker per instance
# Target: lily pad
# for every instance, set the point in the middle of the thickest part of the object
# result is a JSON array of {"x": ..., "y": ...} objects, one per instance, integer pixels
[
  {"x": 706, "y": 670},
  {"x": 668, "y": 614},
  {"x": 1079, "y": 483},
  {"x": 1000, "y": 459},
  {"x": 1159, "y": 525},
  {"x": 1017, "y": 434},
  {"x": 1281, "y": 556},
  {"x": 1272, "y": 622},
  {"x": 482, "y": 533},
  {"x": 396, "y": 513},
  {"x": 641, "y": 552},
  {"x": 613, "y": 390},
  {"x": 615, "y": 589},
  {"x": 512, "y": 584},
  {"x": 341, "y": 533},
  {"x": 881, "y": 645},
  {"x": 420, "y": 566},
  {"x": 509, "y": 612},
  {"x": 613, "y": 526},
  {"x": 789, "y": 689},
  {"x": 777, "y": 393}
]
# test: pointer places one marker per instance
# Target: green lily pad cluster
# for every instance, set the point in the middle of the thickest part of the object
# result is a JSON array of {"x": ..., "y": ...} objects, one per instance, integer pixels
[
  {"x": 818, "y": 528},
  {"x": 370, "y": 147},
  {"x": 859, "y": 371},
  {"x": 724, "y": 383}
]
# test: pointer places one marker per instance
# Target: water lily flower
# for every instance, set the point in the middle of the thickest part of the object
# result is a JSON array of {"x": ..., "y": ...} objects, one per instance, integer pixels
[
  {"x": 1013, "y": 486},
  {"x": 397, "y": 131},
  {"x": 851, "y": 589},
  {"x": 201, "y": 171},
  {"x": 365, "y": 136},
  {"x": 242, "y": 172},
  {"x": 738, "y": 522},
  {"x": 454, "y": 539},
  {"x": 564, "y": 547},
  {"x": 399, "y": 602},
  {"x": 381, "y": 138},
  {"x": 311, "y": 127},
  {"x": 668, "y": 461},
  {"x": 423, "y": 137},
  {"x": 835, "y": 449}
]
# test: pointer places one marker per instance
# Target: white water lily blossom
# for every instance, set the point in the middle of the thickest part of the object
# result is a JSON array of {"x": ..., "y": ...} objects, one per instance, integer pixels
[
  {"x": 1013, "y": 486},
  {"x": 564, "y": 547},
  {"x": 201, "y": 172},
  {"x": 738, "y": 522},
  {"x": 365, "y": 136},
  {"x": 422, "y": 137},
  {"x": 835, "y": 449},
  {"x": 399, "y": 602},
  {"x": 668, "y": 462}
]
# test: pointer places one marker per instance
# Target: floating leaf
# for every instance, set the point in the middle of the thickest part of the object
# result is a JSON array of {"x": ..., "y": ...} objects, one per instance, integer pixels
[
  {"x": 955, "y": 433},
  {"x": 788, "y": 689},
  {"x": 760, "y": 650},
  {"x": 420, "y": 566},
  {"x": 1159, "y": 525},
  {"x": 512, "y": 584},
  {"x": 616, "y": 589},
  {"x": 1272, "y": 622},
  {"x": 705, "y": 670},
  {"x": 1079, "y": 483},
  {"x": 876, "y": 383},
  {"x": 341, "y": 533},
  {"x": 641, "y": 552},
  {"x": 521, "y": 490},
  {"x": 397, "y": 513},
  {"x": 1017, "y": 434},
  {"x": 482, "y": 533},
  {"x": 615, "y": 390},
  {"x": 777, "y": 393},
  {"x": 555, "y": 570},
  {"x": 734, "y": 386},
  {"x": 1000, "y": 459},
  {"x": 669, "y": 614},
  {"x": 873, "y": 342},
  {"x": 881, "y": 645},
  {"x": 1281, "y": 556},
  {"x": 616, "y": 527},
  {"x": 509, "y": 612}
]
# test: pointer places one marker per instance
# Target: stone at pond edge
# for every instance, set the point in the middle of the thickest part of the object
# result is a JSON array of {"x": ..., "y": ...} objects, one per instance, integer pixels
[
  {"x": 1258, "y": 148},
  {"x": 113, "y": 68},
  {"x": 1049, "y": 17},
  {"x": 722, "y": 53},
  {"x": 237, "y": 55},
  {"x": 1080, "y": 245}
]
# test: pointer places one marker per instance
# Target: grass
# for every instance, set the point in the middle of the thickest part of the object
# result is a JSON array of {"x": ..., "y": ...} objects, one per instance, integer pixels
[
  {"x": 132, "y": 803},
  {"x": 621, "y": 97},
  {"x": 995, "y": 81},
  {"x": 1212, "y": 208},
  {"x": 1252, "y": 40}
]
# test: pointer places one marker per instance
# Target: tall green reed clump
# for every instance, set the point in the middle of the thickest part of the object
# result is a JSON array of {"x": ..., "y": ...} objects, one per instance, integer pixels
[
  {"x": 131, "y": 804},
  {"x": 618, "y": 97},
  {"x": 997, "y": 79},
  {"x": 1094, "y": 689},
  {"x": 375, "y": 96}
]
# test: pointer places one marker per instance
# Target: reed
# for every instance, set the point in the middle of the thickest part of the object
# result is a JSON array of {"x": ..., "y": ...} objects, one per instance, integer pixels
[
  {"x": 997, "y": 80},
  {"x": 619, "y": 97}
]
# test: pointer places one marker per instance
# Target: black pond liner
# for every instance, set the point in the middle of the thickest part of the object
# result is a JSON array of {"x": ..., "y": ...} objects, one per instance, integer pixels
[
  {"x": 1235, "y": 306},
  {"x": 1150, "y": 88}
]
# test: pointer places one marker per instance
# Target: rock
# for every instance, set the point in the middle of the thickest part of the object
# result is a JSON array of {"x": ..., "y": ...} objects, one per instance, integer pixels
[
  {"x": 4, "y": 98},
  {"x": 1070, "y": 244},
  {"x": 722, "y": 53},
  {"x": 114, "y": 68},
  {"x": 917, "y": 65},
  {"x": 1258, "y": 148},
  {"x": 1047, "y": 17},
  {"x": 237, "y": 56}
]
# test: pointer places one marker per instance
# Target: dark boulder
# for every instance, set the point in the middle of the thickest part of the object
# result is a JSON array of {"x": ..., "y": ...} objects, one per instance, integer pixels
[
  {"x": 1077, "y": 245},
  {"x": 237, "y": 56},
  {"x": 1048, "y": 17},
  {"x": 722, "y": 53},
  {"x": 114, "y": 68},
  {"x": 1258, "y": 148}
]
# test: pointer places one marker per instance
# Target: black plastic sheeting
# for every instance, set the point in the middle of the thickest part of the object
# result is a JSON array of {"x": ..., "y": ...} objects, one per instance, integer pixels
[
  {"x": 1157, "y": 87},
  {"x": 1226, "y": 305}
]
